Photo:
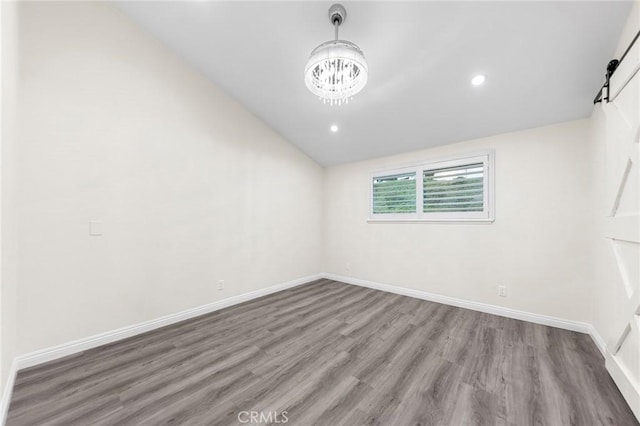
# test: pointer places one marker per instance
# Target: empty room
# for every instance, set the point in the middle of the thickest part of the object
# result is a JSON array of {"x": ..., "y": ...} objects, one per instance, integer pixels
[{"x": 314, "y": 213}]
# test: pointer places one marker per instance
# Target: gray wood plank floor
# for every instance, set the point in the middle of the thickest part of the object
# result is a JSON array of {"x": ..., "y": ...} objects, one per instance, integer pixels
[{"x": 329, "y": 353}]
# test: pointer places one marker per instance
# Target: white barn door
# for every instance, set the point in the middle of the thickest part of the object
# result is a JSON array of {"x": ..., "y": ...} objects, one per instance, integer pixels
[{"x": 622, "y": 229}]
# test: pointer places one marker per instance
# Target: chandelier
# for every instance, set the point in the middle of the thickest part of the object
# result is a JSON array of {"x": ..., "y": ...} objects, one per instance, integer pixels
[{"x": 337, "y": 69}]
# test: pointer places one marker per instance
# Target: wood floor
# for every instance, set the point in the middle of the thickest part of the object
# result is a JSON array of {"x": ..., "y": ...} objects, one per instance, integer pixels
[{"x": 329, "y": 353}]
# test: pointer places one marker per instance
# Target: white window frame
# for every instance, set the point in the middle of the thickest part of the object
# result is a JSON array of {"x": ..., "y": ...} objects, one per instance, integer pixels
[{"x": 486, "y": 215}]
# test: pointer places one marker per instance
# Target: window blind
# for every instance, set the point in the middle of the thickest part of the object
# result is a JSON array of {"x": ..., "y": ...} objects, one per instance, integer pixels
[
  {"x": 454, "y": 189},
  {"x": 394, "y": 193}
]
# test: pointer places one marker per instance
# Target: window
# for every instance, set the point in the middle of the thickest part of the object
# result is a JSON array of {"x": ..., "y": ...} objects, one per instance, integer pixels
[
  {"x": 454, "y": 189},
  {"x": 394, "y": 194}
]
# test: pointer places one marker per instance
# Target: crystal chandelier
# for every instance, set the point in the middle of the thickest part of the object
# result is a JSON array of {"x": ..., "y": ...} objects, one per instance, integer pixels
[{"x": 337, "y": 69}]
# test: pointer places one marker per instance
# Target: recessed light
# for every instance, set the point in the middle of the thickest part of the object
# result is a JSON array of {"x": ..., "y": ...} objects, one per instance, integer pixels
[
  {"x": 478, "y": 80},
  {"x": 333, "y": 128}
]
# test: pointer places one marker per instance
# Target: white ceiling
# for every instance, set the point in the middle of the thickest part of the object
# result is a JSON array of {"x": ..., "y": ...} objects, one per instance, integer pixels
[{"x": 544, "y": 62}]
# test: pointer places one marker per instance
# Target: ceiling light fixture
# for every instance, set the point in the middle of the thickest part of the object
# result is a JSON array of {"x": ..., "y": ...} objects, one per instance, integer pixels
[
  {"x": 478, "y": 80},
  {"x": 337, "y": 69},
  {"x": 333, "y": 128}
]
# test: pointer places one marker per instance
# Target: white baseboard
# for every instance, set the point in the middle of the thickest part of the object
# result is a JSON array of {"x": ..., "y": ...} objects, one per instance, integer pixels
[
  {"x": 55, "y": 352},
  {"x": 70, "y": 348},
  {"x": 52, "y": 353},
  {"x": 49, "y": 354},
  {"x": 461, "y": 303},
  {"x": 598, "y": 340},
  {"x": 8, "y": 391}
]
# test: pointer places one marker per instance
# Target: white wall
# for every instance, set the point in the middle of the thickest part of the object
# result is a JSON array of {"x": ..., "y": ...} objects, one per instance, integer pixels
[
  {"x": 191, "y": 188},
  {"x": 539, "y": 245},
  {"x": 8, "y": 286}
]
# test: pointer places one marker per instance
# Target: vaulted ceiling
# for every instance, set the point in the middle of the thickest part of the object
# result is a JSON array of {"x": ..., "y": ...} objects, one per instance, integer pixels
[{"x": 544, "y": 62}]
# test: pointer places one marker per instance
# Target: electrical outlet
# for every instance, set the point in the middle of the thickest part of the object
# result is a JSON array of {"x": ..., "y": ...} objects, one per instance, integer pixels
[
  {"x": 220, "y": 285},
  {"x": 502, "y": 291},
  {"x": 347, "y": 266},
  {"x": 95, "y": 228}
]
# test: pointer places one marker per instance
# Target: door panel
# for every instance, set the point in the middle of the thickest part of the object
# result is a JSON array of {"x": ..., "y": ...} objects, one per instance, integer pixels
[{"x": 622, "y": 226}]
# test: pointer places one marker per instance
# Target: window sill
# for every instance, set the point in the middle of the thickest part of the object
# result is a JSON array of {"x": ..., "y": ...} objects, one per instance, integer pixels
[{"x": 441, "y": 221}]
